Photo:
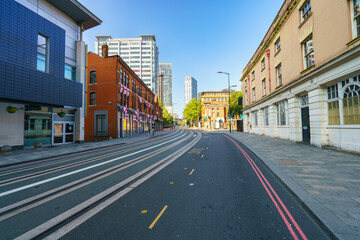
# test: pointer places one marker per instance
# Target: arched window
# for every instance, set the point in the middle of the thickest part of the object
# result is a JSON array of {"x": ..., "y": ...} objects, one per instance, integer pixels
[
  {"x": 350, "y": 104},
  {"x": 93, "y": 77},
  {"x": 93, "y": 98}
]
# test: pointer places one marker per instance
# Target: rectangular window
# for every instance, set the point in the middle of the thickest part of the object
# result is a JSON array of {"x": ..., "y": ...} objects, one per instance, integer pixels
[
  {"x": 254, "y": 95},
  {"x": 92, "y": 98},
  {"x": 253, "y": 75},
  {"x": 281, "y": 113},
  {"x": 100, "y": 125},
  {"x": 70, "y": 72},
  {"x": 263, "y": 64},
  {"x": 264, "y": 87},
  {"x": 333, "y": 113},
  {"x": 255, "y": 118},
  {"x": 356, "y": 12},
  {"x": 308, "y": 53},
  {"x": 279, "y": 75},
  {"x": 246, "y": 97},
  {"x": 305, "y": 10},
  {"x": 43, "y": 53},
  {"x": 277, "y": 45},
  {"x": 266, "y": 116}
]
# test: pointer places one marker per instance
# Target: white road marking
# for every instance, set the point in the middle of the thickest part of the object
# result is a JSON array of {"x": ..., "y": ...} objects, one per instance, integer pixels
[{"x": 80, "y": 170}]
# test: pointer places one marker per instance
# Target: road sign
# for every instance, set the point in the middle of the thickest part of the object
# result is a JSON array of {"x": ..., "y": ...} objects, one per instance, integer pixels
[{"x": 241, "y": 116}]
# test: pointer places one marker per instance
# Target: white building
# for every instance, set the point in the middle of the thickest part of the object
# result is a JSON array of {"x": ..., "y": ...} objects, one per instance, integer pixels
[
  {"x": 190, "y": 89},
  {"x": 141, "y": 54},
  {"x": 166, "y": 70}
]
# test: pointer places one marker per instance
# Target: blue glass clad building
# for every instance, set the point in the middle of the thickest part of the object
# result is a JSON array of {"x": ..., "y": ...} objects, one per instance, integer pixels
[{"x": 36, "y": 81}]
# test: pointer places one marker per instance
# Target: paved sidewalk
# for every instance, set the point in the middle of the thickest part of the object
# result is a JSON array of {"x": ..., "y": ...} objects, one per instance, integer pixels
[
  {"x": 326, "y": 182},
  {"x": 18, "y": 156}
]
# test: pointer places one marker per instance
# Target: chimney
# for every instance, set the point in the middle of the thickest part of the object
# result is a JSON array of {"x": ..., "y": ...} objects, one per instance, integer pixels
[{"x": 105, "y": 50}]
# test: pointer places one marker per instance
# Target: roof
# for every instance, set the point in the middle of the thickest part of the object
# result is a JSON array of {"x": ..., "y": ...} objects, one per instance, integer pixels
[{"x": 80, "y": 14}]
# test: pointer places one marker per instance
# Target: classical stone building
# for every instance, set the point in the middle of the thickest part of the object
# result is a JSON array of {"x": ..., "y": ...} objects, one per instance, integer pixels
[{"x": 303, "y": 81}]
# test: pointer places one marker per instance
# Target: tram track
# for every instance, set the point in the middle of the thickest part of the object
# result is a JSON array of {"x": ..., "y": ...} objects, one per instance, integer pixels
[
  {"x": 63, "y": 167},
  {"x": 21, "y": 206},
  {"x": 65, "y": 222}
]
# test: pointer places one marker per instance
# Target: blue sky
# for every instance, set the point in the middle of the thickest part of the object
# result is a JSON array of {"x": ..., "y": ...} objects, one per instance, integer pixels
[{"x": 198, "y": 37}]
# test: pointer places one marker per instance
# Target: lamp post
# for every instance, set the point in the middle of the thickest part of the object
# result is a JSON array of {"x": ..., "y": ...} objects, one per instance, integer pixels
[{"x": 229, "y": 95}]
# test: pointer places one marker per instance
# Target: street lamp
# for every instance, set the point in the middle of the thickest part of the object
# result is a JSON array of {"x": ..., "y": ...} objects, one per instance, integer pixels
[{"x": 229, "y": 95}]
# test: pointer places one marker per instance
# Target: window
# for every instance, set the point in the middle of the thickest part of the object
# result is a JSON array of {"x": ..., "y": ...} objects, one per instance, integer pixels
[
  {"x": 305, "y": 10},
  {"x": 245, "y": 83},
  {"x": 101, "y": 125},
  {"x": 70, "y": 72},
  {"x": 264, "y": 87},
  {"x": 351, "y": 104},
  {"x": 281, "y": 113},
  {"x": 266, "y": 116},
  {"x": 356, "y": 12},
  {"x": 93, "y": 98},
  {"x": 263, "y": 64},
  {"x": 255, "y": 115},
  {"x": 92, "y": 77},
  {"x": 279, "y": 75},
  {"x": 135, "y": 48},
  {"x": 254, "y": 95},
  {"x": 246, "y": 97},
  {"x": 277, "y": 46},
  {"x": 43, "y": 53},
  {"x": 308, "y": 52},
  {"x": 253, "y": 75},
  {"x": 217, "y": 114}
]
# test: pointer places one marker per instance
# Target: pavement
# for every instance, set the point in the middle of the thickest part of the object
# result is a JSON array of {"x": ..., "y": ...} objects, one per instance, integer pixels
[{"x": 325, "y": 182}]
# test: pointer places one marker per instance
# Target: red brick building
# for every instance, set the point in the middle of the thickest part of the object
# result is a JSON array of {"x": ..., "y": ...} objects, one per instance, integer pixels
[{"x": 118, "y": 102}]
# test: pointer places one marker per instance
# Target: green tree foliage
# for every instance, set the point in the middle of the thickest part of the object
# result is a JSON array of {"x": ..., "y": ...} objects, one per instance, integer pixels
[
  {"x": 235, "y": 109},
  {"x": 166, "y": 115},
  {"x": 192, "y": 110}
]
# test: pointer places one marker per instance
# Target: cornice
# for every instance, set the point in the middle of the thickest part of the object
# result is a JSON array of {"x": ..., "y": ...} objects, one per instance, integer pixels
[{"x": 274, "y": 29}]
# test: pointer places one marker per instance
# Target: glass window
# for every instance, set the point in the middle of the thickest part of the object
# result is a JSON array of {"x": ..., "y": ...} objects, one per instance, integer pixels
[
  {"x": 281, "y": 113},
  {"x": 266, "y": 116},
  {"x": 254, "y": 94},
  {"x": 351, "y": 104},
  {"x": 100, "y": 125},
  {"x": 42, "y": 53},
  {"x": 70, "y": 72},
  {"x": 333, "y": 113},
  {"x": 305, "y": 10},
  {"x": 255, "y": 118},
  {"x": 356, "y": 11},
  {"x": 277, "y": 45},
  {"x": 279, "y": 75},
  {"x": 92, "y": 98},
  {"x": 264, "y": 87},
  {"x": 92, "y": 77},
  {"x": 308, "y": 52},
  {"x": 262, "y": 63},
  {"x": 253, "y": 75}
]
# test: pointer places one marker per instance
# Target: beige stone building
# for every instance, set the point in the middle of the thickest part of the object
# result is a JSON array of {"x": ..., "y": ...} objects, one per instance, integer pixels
[
  {"x": 303, "y": 81},
  {"x": 214, "y": 109}
]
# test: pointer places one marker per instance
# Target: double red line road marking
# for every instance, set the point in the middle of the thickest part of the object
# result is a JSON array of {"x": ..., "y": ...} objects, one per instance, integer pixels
[{"x": 271, "y": 192}]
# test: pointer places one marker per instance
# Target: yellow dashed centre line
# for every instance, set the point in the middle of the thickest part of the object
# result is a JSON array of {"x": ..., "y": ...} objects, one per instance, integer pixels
[
  {"x": 202, "y": 156},
  {"x": 191, "y": 172},
  {"x": 157, "y": 218}
]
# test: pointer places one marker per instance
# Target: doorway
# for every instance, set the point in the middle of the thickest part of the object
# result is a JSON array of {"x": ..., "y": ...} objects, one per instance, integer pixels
[
  {"x": 305, "y": 119},
  {"x": 63, "y": 133}
]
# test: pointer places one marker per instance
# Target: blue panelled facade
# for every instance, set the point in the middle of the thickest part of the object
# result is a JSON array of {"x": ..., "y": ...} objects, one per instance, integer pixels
[{"x": 19, "y": 78}]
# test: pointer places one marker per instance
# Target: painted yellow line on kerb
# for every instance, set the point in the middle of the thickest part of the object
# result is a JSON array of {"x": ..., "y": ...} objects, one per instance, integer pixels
[
  {"x": 191, "y": 172},
  {"x": 157, "y": 218}
]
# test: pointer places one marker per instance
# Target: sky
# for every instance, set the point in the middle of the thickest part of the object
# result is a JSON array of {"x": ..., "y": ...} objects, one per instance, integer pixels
[{"x": 199, "y": 37}]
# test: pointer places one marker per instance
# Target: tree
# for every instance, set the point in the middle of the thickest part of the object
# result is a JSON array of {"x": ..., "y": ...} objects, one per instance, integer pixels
[
  {"x": 192, "y": 111},
  {"x": 166, "y": 115},
  {"x": 235, "y": 109}
]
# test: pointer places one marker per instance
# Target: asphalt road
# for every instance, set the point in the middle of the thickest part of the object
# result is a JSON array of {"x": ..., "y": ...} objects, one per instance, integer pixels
[{"x": 187, "y": 185}]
